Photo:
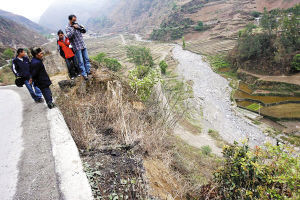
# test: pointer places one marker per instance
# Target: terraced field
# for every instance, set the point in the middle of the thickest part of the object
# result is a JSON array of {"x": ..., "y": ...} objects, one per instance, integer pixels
[
  {"x": 211, "y": 47},
  {"x": 287, "y": 108}
]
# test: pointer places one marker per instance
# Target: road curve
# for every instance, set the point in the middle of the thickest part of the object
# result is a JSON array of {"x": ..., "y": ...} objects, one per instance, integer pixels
[{"x": 38, "y": 157}]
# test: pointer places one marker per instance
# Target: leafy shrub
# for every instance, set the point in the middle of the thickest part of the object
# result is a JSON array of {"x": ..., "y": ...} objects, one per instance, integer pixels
[
  {"x": 142, "y": 83},
  {"x": 271, "y": 172},
  {"x": 206, "y": 150},
  {"x": 255, "y": 14},
  {"x": 112, "y": 64},
  {"x": 140, "y": 55},
  {"x": 163, "y": 66},
  {"x": 100, "y": 57},
  {"x": 199, "y": 26},
  {"x": 8, "y": 53},
  {"x": 296, "y": 62}
]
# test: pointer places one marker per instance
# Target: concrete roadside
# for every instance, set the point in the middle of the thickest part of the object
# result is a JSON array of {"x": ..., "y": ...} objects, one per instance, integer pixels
[{"x": 43, "y": 161}]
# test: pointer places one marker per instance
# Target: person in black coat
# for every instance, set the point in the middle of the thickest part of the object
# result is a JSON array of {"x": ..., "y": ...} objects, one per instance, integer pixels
[
  {"x": 40, "y": 76},
  {"x": 21, "y": 69}
]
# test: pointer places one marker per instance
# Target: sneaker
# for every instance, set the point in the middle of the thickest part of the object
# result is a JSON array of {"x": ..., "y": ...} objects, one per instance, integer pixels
[
  {"x": 51, "y": 105},
  {"x": 86, "y": 78},
  {"x": 72, "y": 78},
  {"x": 79, "y": 75},
  {"x": 41, "y": 100}
]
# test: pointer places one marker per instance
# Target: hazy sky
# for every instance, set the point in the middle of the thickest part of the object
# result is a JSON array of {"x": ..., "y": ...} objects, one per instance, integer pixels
[{"x": 31, "y": 9}]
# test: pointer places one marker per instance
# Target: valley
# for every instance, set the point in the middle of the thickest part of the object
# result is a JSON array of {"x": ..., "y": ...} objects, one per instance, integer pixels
[{"x": 187, "y": 99}]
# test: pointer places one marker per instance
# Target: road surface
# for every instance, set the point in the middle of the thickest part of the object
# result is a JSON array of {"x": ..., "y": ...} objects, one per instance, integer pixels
[{"x": 38, "y": 157}]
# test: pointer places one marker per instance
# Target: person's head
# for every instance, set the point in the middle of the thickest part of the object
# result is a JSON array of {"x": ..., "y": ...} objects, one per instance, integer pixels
[
  {"x": 60, "y": 34},
  {"x": 72, "y": 19},
  {"x": 37, "y": 53},
  {"x": 21, "y": 53}
]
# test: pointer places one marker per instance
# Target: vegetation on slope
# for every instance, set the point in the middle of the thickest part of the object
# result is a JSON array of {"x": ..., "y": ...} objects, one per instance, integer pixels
[
  {"x": 270, "y": 172},
  {"x": 273, "y": 47}
]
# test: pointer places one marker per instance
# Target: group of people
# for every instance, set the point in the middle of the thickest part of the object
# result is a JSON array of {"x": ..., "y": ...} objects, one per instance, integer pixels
[{"x": 33, "y": 74}]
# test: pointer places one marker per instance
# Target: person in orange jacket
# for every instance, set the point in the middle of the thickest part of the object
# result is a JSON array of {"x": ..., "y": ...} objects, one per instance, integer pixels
[{"x": 67, "y": 53}]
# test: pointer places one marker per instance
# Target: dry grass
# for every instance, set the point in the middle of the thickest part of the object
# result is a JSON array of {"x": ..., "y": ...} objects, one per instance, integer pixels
[
  {"x": 6, "y": 76},
  {"x": 93, "y": 108}
]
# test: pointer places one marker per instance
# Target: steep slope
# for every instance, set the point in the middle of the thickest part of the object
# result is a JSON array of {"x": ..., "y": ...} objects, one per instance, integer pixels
[
  {"x": 15, "y": 35},
  {"x": 25, "y": 22}
]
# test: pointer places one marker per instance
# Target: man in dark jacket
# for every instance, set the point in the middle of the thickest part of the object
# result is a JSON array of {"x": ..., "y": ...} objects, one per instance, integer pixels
[
  {"x": 21, "y": 68},
  {"x": 40, "y": 76}
]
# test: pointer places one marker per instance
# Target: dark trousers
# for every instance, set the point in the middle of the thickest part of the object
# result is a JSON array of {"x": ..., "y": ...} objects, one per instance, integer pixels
[
  {"x": 47, "y": 95},
  {"x": 72, "y": 67}
]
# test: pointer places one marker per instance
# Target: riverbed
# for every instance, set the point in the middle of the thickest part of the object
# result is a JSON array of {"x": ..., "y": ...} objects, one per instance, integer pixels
[{"x": 212, "y": 96}]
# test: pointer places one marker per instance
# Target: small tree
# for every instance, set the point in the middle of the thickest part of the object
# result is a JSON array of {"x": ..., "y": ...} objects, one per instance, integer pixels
[
  {"x": 112, "y": 64},
  {"x": 200, "y": 26},
  {"x": 100, "y": 57},
  {"x": 163, "y": 66},
  {"x": 140, "y": 55},
  {"x": 8, "y": 53},
  {"x": 183, "y": 43}
]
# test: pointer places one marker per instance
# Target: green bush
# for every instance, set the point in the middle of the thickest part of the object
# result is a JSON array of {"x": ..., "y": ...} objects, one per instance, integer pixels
[
  {"x": 271, "y": 172},
  {"x": 199, "y": 26},
  {"x": 142, "y": 83},
  {"x": 112, "y": 64},
  {"x": 8, "y": 53},
  {"x": 163, "y": 66},
  {"x": 140, "y": 55},
  {"x": 206, "y": 150},
  {"x": 296, "y": 62},
  {"x": 255, "y": 14},
  {"x": 100, "y": 57}
]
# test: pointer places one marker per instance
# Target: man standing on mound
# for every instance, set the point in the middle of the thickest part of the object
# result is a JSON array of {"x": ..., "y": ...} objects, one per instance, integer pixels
[{"x": 74, "y": 32}]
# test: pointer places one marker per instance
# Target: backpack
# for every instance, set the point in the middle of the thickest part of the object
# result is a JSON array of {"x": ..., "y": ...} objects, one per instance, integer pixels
[{"x": 61, "y": 52}]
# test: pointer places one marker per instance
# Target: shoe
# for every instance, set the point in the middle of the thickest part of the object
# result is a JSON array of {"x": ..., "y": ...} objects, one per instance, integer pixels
[
  {"x": 51, "y": 105},
  {"x": 86, "y": 78},
  {"x": 41, "y": 100},
  {"x": 72, "y": 78},
  {"x": 78, "y": 75}
]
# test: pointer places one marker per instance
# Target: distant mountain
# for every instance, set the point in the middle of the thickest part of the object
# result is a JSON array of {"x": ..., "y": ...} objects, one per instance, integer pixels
[
  {"x": 25, "y": 22},
  {"x": 56, "y": 16},
  {"x": 16, "y": 35}
]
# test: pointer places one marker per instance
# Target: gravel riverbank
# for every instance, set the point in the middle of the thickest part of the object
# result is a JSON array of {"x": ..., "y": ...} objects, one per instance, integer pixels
[{"x": 212, "y": 95}]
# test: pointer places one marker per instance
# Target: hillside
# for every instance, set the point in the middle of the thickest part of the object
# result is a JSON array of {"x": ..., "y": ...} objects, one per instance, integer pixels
[
  {"x": 25, "y": 22},
  {"x": 16, "y": 35}
]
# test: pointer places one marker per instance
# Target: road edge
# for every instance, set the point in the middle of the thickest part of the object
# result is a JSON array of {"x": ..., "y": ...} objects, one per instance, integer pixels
[{"x": 72, "y": 180}]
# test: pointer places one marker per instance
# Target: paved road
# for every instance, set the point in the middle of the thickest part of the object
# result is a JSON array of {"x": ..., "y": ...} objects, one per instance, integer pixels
[{"x": 27, "y": 169}]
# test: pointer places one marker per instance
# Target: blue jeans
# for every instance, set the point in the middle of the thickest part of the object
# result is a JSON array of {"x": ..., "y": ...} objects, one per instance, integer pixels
[
  {"x": 47, "y": 95},
  {"x": 83, "y": 61},
  {"x": 34, "y": 91}
]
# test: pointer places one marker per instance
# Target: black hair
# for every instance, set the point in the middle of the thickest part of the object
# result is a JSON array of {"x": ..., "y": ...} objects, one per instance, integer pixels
[
  {"x": 71, "y": 17},
  {"x": 60, "y": 32},
  {"x": 35, "y": 51},
  {"x": 20, "y": 50}
]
